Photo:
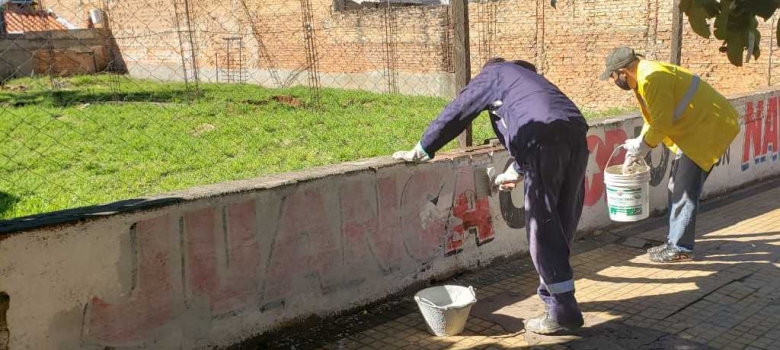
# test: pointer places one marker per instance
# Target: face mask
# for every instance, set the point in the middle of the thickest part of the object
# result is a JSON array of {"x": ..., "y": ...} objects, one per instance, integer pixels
[{"x": 622, "y": 83}]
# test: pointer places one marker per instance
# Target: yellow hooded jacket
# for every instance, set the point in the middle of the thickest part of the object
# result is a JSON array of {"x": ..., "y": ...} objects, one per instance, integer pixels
[{"x": 704, "y": 129}]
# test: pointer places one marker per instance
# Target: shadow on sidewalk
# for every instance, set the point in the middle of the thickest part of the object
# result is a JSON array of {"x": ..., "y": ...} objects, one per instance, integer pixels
[
  {"x": 714, "y": 299},
  {"x": 722, "y": 291},
  {"x": 728, "y": 289}
]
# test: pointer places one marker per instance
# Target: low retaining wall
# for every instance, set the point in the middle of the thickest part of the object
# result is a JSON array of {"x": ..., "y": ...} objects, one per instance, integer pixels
[
  {"x": 218, "y": 264},
  {"x": 59, "y": 52}
]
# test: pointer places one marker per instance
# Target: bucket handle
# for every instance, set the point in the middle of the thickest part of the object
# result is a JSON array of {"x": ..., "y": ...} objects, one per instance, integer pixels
[
  {"x": 431, "y": 304},
  {"x": 473, "y": 294},
  {"x": 609, "y": 161},
  {"x": 426, "y": 302}
]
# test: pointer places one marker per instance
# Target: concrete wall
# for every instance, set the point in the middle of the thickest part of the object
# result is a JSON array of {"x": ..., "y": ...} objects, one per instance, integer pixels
[
  {"x": 754, "y": 153},
  {"x": 65, "y": 52},
  {"x": 218, "y": 264}
]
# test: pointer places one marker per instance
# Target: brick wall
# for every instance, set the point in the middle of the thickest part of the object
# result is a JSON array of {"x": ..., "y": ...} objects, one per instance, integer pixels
[
  {"x": 61, "y": 52},
  {"x": 67, "y": 62},
  {"x": 405, "y": 47}
]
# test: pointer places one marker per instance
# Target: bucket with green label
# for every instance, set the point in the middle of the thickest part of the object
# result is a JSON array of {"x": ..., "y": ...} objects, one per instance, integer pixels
[{"x": 628, "y": 195}]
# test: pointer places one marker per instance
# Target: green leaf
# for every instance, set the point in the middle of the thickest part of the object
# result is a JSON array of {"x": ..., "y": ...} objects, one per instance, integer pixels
[
  {"x": 756, "y": 42},
  {"x": 739, "y": 21},
  {"x": 685, "y": 5},
  {"x": 777, "y": 35},
  {"x": 722, "y": 21},
  {"x": 753, "y": 23},
  {"x": 757, "y": 47},
  {"x": 697, "y": 16},
  {"x": 712, "y": 7},
  {"x": 736, "y": 43},
  {"x": 763, "y": 8}
]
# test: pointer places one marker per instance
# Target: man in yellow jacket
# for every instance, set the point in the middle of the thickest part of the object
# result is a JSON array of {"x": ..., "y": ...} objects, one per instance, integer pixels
[{"x": 693, "y": 120}]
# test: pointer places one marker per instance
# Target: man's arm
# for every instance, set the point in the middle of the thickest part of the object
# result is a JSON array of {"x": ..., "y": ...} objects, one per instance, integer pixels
[
  {"x": 645, "y": 127},
  {"x": 473, "y": 99}
]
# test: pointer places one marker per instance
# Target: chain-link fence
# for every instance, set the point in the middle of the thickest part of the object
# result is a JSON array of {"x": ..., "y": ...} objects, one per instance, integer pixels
[
  {"x": 110, "y": 100},
  {"x": 104, "y": 100}
]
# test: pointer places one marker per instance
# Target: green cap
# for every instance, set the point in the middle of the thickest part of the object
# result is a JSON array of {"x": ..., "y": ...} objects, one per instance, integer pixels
[{"x": 618, "y": 58}]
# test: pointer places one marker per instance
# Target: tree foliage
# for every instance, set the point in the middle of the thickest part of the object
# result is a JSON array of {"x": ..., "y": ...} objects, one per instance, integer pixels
[{"x": 735, "y": 22}]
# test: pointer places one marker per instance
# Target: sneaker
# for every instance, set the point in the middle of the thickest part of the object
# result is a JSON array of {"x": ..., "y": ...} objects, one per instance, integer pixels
[
  {"x": 544, "y": 324},
  {"x": 670, "y": 254},
  {"x": 657, "y": 248}
]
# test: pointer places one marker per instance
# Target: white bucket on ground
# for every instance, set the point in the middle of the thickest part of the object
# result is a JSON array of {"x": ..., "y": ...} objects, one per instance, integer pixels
[
  {"x": 628, "y": 195},
  {"x": 445, "y": 308}
]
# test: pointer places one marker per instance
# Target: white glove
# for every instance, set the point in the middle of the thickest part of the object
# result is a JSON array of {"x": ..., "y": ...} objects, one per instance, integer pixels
[
  {"x": 417, "y": 154},
  {"x": 508, "y": 180},
  {"x": 637, "y": 147},
  {"x": 630, "y": 161},
  {"x": 636, "y": 151}
]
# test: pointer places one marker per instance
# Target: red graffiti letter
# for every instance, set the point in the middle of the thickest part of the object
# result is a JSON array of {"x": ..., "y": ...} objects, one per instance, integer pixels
[
  {"x": 371, "y": 224},
  {"x": 423, "y": 216},
  {"x": 771, "y": 130},
  {"x": 472, "y": 212},
  {"x": 752, "y": 133},
  {"x": 600, "y": 152},
  {"x": 305, "y": 256},
  {"x": 150, "y": 303},
  {"x": 231, "y": 284}
]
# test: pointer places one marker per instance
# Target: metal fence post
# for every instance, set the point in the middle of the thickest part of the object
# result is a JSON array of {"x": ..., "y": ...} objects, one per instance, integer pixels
[
  {"x": 461, "y": 56},
  {"x": 677, "y": 24}
]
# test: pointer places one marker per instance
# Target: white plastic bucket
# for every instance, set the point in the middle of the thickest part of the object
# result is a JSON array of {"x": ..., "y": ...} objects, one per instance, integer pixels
[
  {"x": 446, "y": 308},
  {"x": 627, "y": 194}
]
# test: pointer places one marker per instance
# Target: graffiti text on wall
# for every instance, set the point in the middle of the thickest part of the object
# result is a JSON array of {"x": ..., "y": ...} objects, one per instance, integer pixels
[
  {"x": 215, "y": 256},
  {"x": 761, "y": 132}
]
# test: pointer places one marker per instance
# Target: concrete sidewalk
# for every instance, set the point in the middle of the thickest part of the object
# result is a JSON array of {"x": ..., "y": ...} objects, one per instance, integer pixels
[{"x": 728, "y": 298}]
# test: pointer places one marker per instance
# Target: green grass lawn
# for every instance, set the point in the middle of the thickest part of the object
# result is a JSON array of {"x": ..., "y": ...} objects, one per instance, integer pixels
[{"x": 98, "y": 139}]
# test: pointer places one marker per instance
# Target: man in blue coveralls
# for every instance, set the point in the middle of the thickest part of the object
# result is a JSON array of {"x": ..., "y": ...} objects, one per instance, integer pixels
[{"x": 545, "y": 133}]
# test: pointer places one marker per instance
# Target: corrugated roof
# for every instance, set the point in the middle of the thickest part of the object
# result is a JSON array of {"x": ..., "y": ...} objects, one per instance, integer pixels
[{"x": 30, "y": 21}]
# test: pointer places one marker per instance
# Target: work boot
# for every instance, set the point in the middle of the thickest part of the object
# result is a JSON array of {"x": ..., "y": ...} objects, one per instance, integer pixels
[
  {"x": 670, "y": 254},
  {"x": 657, "y": 248},
  {"x": 544, "y": 324}
]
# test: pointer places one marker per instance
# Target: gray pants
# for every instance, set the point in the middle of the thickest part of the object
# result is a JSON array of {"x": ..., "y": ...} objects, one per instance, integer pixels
[{"x": 685, "y": 186}]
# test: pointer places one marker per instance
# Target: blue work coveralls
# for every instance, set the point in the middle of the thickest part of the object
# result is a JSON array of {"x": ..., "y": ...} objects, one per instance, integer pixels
[{"x": 546, "y": 135}]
